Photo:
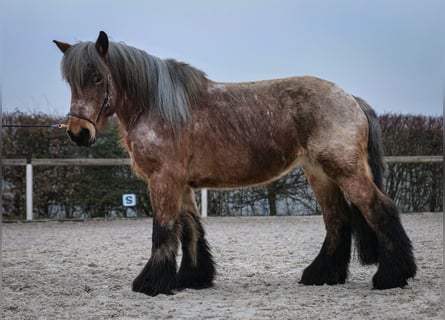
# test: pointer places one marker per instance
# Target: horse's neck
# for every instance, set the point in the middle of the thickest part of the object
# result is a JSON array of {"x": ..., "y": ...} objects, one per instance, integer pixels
[{"x": 127, "y": 117}]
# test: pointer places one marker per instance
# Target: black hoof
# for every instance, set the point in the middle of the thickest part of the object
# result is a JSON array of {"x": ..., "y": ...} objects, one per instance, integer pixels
[
  {"x": 156, "y": 279},
  {"x": 396, "y": 259},
  {"x": 394, "y": 271},
  {"x": 319, "y": 273},
  {"x": 382, "y": 281},
  {"x": 201, "y": 275},
  {"x": 196, "y": 283},
  {"x": 194, "y": 278},
  {"x": 330, "y": 268}
]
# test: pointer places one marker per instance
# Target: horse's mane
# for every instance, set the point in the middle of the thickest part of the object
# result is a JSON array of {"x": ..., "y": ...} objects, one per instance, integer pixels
[{"x": 153, "y": 86}]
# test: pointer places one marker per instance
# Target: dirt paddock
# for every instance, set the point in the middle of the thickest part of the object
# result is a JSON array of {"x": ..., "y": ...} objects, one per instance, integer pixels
[{"x": 84, "y": 270}]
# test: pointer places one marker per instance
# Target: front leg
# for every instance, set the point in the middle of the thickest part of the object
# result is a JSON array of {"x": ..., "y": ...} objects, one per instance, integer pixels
[
  {"x": 197, "y": 269},
  {"x": 159, "y": 274}
]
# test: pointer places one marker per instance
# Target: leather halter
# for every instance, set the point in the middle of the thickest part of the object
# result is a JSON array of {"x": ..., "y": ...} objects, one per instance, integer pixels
[{"x": 105, "y": 105}]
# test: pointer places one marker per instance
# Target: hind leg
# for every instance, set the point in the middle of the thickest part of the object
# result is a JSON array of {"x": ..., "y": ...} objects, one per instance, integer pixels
[
  {"x": 331, "y": 264},
  {"x": 395, "y": 254},
  {"x": 197, "y": 267}
]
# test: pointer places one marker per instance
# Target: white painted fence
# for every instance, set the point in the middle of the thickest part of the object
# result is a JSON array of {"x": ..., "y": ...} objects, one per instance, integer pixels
[{"x": 125, "y": 161}]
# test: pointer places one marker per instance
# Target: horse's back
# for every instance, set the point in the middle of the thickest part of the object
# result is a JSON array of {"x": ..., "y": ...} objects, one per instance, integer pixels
[{"x": 305, "y": 109}]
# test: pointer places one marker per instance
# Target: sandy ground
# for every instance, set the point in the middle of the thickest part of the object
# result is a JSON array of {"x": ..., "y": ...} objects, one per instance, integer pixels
[{"x": 84, "y": 270}]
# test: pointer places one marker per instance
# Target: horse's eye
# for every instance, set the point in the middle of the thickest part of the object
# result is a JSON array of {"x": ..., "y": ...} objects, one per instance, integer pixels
[{"x": 98, "y": 79}]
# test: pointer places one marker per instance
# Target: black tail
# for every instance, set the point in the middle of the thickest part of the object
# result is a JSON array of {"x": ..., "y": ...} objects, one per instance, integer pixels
[{"x": 365, "y": 237}]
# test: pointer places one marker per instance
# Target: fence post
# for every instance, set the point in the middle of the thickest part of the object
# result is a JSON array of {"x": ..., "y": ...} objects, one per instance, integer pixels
[
  {"x": 203, "y": 203},
  {"x": 29, "y": 191}
]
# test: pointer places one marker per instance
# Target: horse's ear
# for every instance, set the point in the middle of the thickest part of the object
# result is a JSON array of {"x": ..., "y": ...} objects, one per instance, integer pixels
[
  {"x": 102, "y": 44},
  {"x": 62, "y": 45}
]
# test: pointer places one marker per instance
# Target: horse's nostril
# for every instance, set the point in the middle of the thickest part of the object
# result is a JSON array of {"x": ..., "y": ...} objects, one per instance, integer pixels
[
  {"x": 84, "y": 134},
  {"x": 82, "y": 138}
]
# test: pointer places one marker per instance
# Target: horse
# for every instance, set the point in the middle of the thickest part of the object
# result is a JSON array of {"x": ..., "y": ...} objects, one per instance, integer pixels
[{"x": 184, "y": 131}]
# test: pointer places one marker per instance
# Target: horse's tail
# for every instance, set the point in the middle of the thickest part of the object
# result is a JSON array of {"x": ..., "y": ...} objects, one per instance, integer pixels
[{"x": 365, "y": 237}]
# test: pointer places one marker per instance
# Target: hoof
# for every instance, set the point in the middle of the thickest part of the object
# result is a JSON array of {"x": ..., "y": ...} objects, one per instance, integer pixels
[
  {"x": 330, "y": 268},
  {"x": 384, "y": 282},
  {"x": 156, "y": 279},
  {"x": 198, "y": 276},
  {"x": 393, "y": 273},
  {"x": 316, "y": 276}
]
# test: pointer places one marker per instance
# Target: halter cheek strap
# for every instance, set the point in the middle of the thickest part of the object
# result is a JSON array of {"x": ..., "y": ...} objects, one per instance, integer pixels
[{"x": 105, "y": 105}]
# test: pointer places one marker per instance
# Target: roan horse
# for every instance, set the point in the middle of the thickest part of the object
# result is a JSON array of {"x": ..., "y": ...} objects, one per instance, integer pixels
[{"x": 184, "y": 131}]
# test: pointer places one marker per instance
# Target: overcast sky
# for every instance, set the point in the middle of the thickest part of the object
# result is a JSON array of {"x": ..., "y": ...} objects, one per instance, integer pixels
[{"x": 391, "y": 53}]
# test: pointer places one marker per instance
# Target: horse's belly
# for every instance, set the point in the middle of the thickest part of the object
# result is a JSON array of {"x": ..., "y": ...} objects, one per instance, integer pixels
[{"x": 244, "y": 169}]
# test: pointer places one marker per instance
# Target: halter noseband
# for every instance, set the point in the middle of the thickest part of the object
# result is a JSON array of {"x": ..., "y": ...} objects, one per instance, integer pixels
[{"x": 105, "y": 105}]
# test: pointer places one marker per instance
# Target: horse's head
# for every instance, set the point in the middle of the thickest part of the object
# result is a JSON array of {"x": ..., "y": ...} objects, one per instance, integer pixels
[{"x": 85, "y": 68}]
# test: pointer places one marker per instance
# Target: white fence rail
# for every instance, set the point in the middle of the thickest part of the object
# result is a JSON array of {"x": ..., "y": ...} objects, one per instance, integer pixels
[{"x": 126, "y": 161}]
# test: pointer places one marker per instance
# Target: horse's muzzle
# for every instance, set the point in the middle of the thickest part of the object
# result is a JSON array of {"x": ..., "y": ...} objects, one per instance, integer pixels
[{"x": 83, "y": 138}]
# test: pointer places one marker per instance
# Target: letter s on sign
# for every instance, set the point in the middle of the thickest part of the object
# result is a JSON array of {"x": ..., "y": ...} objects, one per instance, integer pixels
[{"x": 129, "y": 200}]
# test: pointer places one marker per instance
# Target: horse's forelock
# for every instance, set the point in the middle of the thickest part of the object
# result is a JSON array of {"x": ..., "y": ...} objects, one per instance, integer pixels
[{"x": 80, "y": 63}]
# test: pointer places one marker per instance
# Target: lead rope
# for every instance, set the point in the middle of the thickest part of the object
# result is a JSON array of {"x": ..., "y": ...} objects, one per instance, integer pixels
[{"x": 52, "y": 126}]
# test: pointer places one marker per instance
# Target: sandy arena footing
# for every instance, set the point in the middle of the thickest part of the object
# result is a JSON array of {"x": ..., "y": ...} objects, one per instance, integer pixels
[{"x": 84, "y": 270}]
